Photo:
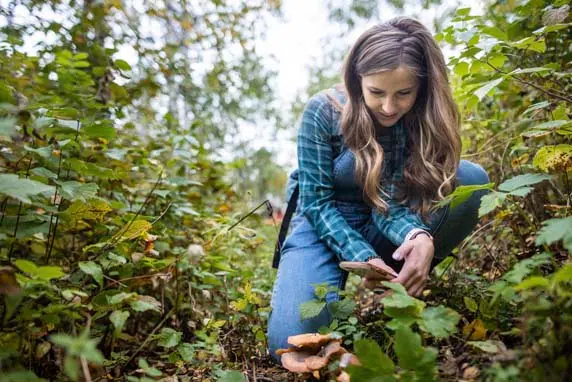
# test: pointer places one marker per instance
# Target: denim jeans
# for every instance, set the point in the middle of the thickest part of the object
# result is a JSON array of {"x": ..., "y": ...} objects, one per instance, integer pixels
[{"x": 306, "y": 260}]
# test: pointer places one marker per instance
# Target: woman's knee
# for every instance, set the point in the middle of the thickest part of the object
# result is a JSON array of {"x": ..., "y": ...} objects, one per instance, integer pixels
[{"x": 470, "y": 173}]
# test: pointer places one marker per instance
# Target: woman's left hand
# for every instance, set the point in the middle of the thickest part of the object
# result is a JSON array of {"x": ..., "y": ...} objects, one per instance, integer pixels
[{"x": 418, "y": 254}]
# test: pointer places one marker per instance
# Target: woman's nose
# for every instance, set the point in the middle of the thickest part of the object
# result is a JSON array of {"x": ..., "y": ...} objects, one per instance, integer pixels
[{"x": 388, "y": 107}]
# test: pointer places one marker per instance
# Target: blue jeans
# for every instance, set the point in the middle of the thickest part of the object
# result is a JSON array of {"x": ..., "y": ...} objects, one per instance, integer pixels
[{"x": 306, "y": 260}]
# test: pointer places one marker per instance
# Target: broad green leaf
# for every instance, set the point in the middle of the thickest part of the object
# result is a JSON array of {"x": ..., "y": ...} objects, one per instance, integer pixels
[
  {"x": 554, "y": 158},
  {"x": 73, "y": 190},
  {"x": 491, "y": 201},
  {"x": 486, "y": 346},
  {"x": 550, "y": 125},
  {"x": 186, "y": 351},
  {"x": 522, "y": 192},
  {"x": 148, "y": 370},
  {"x": 439, "y": 321},
  {"x": 471, "y": 304},
  {"x": 311, "y": 308},
  {"x": 92, "y": 269},
  {"x": 169, "y": 337},
  {"x": 497, "y": 60},
  {"x": 27, "y": 267},
  {"x": 533, "y": 43},
  {"x": 485, "y": 89},
  {"x": 118, "y": 319},
  {"x": 50, "y": 272},
  {"x": 44, "y": 172},
  {"x": 398, "y": 299},
  {"x": 100, "y": 129},
  {"x": 230, "y": 376},
  {"x": 7, "y": 127},
  {"x": 551, "y": 28},
  {"x": 533, "y": 282},
  {"x": 145, "y": 303},
  {"x": 122, "y": 64},
  {"x": 462, "y": 193},
  {"x": 530, "y": 70},
  {"x": 20, "y": 376},
  {"x": 525, "y": 267},
  {"x": 410, "y": 353},
  {"x": 371, "y": 357},
  {"x": 536, "y": 106},
  {"x": 461, "y": 68},
  {"x": 554, "y": 230},
  {"x": 134, "y": 230},
  {"x": 522, "y": 181},
  {"x": 495, "y": 32},
  {"x": 342, "y": 309},
  {"x": 22, "y": 189}
]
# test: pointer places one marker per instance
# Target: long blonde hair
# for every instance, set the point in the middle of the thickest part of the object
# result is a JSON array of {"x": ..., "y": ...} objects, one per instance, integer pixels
[{"x": 432, "y": 124}]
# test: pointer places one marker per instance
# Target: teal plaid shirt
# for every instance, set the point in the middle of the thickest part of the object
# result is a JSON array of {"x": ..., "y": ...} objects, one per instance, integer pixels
[{"x": 317, "y": 147}]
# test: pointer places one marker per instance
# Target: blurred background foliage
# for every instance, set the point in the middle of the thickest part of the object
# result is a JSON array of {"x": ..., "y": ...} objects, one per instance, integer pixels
[{"x": 120, "y": 254}]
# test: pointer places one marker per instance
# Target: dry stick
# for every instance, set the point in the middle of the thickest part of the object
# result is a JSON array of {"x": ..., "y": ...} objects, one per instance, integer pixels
[
  {"x": 85, "y": 369},
  {"x": 568, "y": 191},
  {"x": 49, "y": 243},
  {"x": 540, "y": 88},
  {"x": 18, "y": 217},
  {"x": 148, "y": 338},
  {"x": 3, "y": 208}
]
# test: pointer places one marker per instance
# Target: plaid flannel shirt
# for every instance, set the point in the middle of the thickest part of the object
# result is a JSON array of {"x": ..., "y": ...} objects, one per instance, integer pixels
[{"x": 318, "y": 143}]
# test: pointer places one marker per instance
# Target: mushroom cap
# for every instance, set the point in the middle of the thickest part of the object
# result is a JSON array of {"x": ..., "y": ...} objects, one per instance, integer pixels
[
  {"x": 320, "y": 360},
  {"x": 310, "y": 340},
  {"x": 294, "y": 361}
]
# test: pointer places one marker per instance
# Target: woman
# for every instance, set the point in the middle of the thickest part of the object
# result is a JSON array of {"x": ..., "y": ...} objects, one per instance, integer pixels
[{"x": 374, "y": 157}]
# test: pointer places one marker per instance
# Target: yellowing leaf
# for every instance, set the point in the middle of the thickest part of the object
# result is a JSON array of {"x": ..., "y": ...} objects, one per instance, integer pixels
[
  {"x": 135, "y": 230},
  {"x": 475, "y": 331},
  {"x": 554, "y": 158}
]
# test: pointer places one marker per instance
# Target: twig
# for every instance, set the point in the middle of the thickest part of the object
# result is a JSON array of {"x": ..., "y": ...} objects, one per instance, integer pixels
[
  {"x": 160, "y": 324},
  {"x": 85, "y": 369},
  {"x": 162, "y": 213}
]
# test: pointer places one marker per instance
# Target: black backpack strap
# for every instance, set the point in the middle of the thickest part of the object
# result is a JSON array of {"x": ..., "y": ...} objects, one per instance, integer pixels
[{"x": 284, "y": 227}]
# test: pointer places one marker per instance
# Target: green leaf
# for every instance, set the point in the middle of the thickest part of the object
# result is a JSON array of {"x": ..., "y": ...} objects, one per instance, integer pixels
[
  {"x": 148, "y": 370},
  {"x": 7, "y": 127},
  {"x": 145, "y": 303},
  {"x": 525, "y": 267},
  {"x": 122, "y": 65},
  {"x": 521, "y": 192},
  {"x": 461, "y": 68},
  {"x": 50, "y": 272},
  {"x": 522, "y": 181},
  {"x": 495, "y": 32},
  {"x": 485, "y": 89},
  {"x": 471, "y": 304},
  {"x": 169, "y": 337},
  {"x": 118, "y": 319},
  {"x": 439, "y": 321},
  {"x": 311, "y": 308},
  {"x": 555, "y": 230},
  {"x": 73, "y": 190},
  {"x": 100, "y": 129},
  {"x": 410, "y": 353},
  {"x": 20, "y": 376},
  {"x": 371, "y": 357},
  {"x": 533, "y": 282},
  {"x": 550, "y": 125},
  {"x": 536, "y": 106},
  {"x": 22, "y": 189},
  {"x": 27, "y": 267},
  {"x": 486, "y": 346},
  {"x": 491, "y": 201},
  {"x": 463, "y": 193},
  {"x": 186, "y": 351},
  {"x": 342, "y": 309},
  {"x": 532, "y": 43},
  {"x": 92, "y": 269},
  {"x": 230, "y": 376}
]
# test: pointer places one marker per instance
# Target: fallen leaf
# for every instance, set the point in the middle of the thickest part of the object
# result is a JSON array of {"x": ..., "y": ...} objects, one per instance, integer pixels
[
  {"x": 471, "y": 372},
  {"x": 475, "y": 331}
]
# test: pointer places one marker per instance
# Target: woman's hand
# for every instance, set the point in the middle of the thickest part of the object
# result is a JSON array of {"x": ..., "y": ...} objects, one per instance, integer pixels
[
  {"x": 375, "y": 283},
  {"x": 418, "y": 254}
]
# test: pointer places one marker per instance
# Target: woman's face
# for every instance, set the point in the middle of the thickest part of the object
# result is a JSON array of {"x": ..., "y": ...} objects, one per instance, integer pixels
[{"x": 390, "y": 94}]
